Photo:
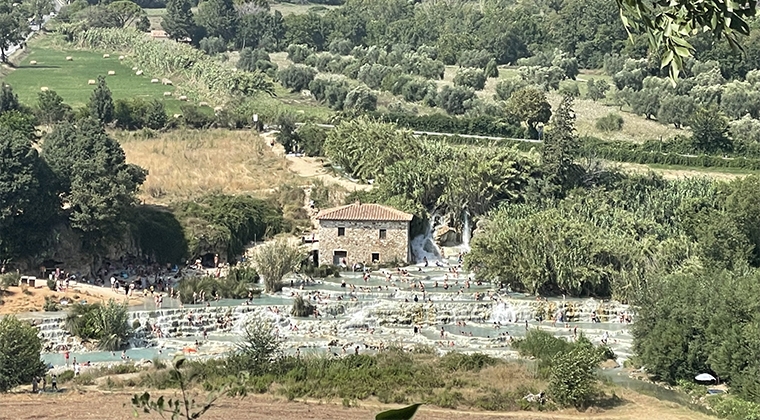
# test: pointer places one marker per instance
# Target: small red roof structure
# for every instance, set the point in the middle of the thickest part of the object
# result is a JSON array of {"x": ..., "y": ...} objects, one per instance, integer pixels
[{"x": 364, "y": 212}]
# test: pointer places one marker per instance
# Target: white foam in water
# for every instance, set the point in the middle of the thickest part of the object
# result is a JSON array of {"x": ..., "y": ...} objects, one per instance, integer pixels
[
  {"x": 424, "y": 246},
  {"x": 466, "y": 233},
  {"x": 503, "y": 313},
  {"x": 373, "y": 316}
]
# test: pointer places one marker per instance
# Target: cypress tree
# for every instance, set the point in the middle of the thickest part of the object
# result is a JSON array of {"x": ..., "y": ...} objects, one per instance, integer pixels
[
  {"x": 101, "y": 102},
  {"x": 179, "y": 22}
]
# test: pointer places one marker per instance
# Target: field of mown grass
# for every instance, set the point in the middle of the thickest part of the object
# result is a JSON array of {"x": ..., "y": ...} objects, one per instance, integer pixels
[{"x": 69, "y": 78}]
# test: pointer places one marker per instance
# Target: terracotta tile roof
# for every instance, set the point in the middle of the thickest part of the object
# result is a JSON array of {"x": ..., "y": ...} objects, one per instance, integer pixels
[{"x": 358, "y": 211}]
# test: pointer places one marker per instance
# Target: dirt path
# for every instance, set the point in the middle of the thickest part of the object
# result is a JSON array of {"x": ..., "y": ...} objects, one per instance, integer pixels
[
  {"x": 18, "y": 300},
  {"x": 311, "y": 168},
  {"x": 84, "y": 405},
  {"x": 670, "y": 174}
]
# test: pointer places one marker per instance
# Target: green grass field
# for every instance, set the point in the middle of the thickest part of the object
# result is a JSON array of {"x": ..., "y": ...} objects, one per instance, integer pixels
[{"x": 69, "y": 78}]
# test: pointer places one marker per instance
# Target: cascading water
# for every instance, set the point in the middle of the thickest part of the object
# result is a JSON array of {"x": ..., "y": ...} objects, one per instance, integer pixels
[
  {"x": 503, "y": 313},
  {"x": 466, "y": 232},
  {"x": 424, "y": 246}
]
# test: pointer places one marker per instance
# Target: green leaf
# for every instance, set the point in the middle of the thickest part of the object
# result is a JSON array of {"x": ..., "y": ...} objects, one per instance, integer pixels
[
  {"x": 405, "y": 413},
  {"x": 683, "y": 52}
]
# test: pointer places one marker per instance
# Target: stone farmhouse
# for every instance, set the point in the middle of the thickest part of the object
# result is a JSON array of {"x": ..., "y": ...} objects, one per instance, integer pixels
[{"x": 363, "y": 233}]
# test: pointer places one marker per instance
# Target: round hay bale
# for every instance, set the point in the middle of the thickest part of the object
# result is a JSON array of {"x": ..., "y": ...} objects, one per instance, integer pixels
[
  {"x": 111, "y": 72},
  {"x": 33, "y": 63},
  {"x": 106, "y": 55},
  {"x": 218, "y": 108},
  {"x": 139, "y": 72},
  {"x": 203, "y": 104},
  {"x": 167, "y": 94},
  {"x": 154, "y": 80},
  {"x": 166, "y": 82},
  {"x": 69, "y": 58},
  {"x": 177, "y": 115},
  {"x": 44, "y": 88},
  {"x": 121, "y": 57},
  {"x": 91, "y": 82},
  {"x": 182, "y": 98},
  {"x": 134, "y": 68}
]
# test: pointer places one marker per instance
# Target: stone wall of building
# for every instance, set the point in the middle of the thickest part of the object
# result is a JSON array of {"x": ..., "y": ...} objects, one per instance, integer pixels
[{"x": 362, "y": 239}]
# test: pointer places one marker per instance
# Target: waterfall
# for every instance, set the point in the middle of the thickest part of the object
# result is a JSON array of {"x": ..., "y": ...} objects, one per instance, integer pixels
[
  {"x": 424, "y": 246},
  {"x": 503, "y": 313},
  {"x": 363, "y": 318},
  {"x": 466, "y": 232}
]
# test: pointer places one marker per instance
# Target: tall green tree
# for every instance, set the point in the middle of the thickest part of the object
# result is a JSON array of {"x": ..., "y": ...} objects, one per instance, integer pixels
[
  {"x": 709, "y": 131},
  {"x": 20, "y": 349},
  {"x": 126, "y": 12},
  {"x": 701, "y": 320},
  {"x": 27, "y": 202},
  {"x": 530, "y": 106},
  {"x": 492, "y": 71},
  {"x": 13, "y": 27},
  {"x": 38, "y": 9},
  {"x": 454, "y": 100},
  {"x": 179, "y": 22},
  {"x": 743, "y": 194},
  {"x": 560, "y": 142},
  {"x": 8, "y": 99},
  {"x": 218, "y": 18},
  {"x": 101, "y": 102},
  {"x": 596, "y": 89},
  {"x": 50, "y": 107},
  {"x": 676, "y": 109},
  {"x": 97, "y": 183}
]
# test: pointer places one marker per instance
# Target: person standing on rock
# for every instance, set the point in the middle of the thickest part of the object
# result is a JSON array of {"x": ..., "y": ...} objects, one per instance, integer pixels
[
  {"x": 66, "y": 357},
  {"x": 54, "y": 383}
]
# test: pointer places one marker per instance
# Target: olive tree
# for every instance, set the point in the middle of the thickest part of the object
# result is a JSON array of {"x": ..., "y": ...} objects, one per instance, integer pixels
[
  {"x": 361, "y": 98},
  {"x": 596, "y": 89},
  {"x": 529, "y": 105},
  {"x": 454, "y": 100},
  {"x": 296, "y": 77},
  {"x": 470, "y": 77},
  {"x": 505, "y": 88}
]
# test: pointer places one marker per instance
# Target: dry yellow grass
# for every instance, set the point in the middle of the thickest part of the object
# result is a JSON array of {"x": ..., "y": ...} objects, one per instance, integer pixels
[
  {"x": 183, "y": 164},
  {"x": 281, "y": 59},
  {"x": 635, "y": 128},
  {"x": 671, "y": 173}
]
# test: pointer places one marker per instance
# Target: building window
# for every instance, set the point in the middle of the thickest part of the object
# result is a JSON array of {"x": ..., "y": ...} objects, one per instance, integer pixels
[
  {"x": 383, "y": 232},
  {"x": 341, "y": 231},
  {"x": 375, "y": 257}
]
